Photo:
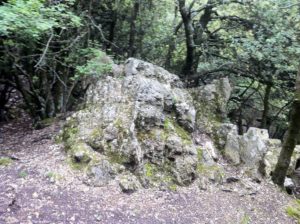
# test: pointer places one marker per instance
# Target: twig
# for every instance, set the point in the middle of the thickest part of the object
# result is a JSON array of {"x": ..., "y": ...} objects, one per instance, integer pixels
[
  {"x": 101, "y": 32},
  {"x": 289, "y": 6},
  {"x": 45, "y": 50}
]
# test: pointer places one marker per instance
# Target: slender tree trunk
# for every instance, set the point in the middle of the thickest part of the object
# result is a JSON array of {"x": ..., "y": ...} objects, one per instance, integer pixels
[
  {"x": 4, "y": 97},
  {"x": 171, "y": 49},
  {"x": 132, "y": 34},
  {"x": 172, "y": 43},
  {"x": 58, "y": 94},
  {"x": 111, "y": 36},
  {"x": 240, "y": 122},
  {"x": 266, "y": 106},
  {"x": 193, "y": 36},
  {"x": 290, "y": 141},
  {"x": 189, "y": 38}
]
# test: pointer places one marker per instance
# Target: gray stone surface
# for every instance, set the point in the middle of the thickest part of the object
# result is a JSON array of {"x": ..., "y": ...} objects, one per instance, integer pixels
[
  {"x": 129, "y": 183},
  {"x": 138, "y": 116},
  {"x": 210, "y": 102},
  {"x": 254, "y": 151}
]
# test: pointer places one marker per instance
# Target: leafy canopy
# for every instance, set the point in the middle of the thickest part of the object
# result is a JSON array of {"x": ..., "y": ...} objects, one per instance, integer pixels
[{"x": 26, "y": 19}]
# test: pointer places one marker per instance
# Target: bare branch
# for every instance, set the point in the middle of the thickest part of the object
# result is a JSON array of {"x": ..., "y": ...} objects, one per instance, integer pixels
[
  {"x": 99, "y": 28},
  {"x": 45, "y": 50},
  {"x": 289, "y": 6}
]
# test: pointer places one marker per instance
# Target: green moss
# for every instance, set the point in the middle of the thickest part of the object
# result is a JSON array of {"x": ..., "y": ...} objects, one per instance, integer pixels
[
  {"x": 122, "y": 130},
  {"x": 118, "y": 123},
  {"x": 69, "y": 135},
  {"x": 58, "y": 139},
  {"x": 167, "y": 124},
  {"x": 44, "y": 123},
  {"x": 159, "y": 175},
  {"x": 201, "y": 168},
  {"x": 246, "y": 219},
  {"x": 171, "y": 125},
  {"x": 173, "y": 187},
  {"x": 84, "y": 149},
  {"x": 88, "y": 156},
  {"x": 200, "y": 154},
  {"x": 207, "y": 117},
  {"x": 82, "y": 166},
  {"x": 23, "y": 174},
  {"x": 294, "y": 210},
  {"x": 53, "y": 175},
  {"x": 150, "y": 170},
  {"x": 76, "y": 166},
  {"x": 96, "y": 133},
  {"x": 117, "y": 157},
  {"x": 145, "y": 135},
  {"x": 168, "y": 178},
  {"x": 5, "y": 161},
  {"x": 94, "y": 139},
  {"x": 48, "y": 121},
  {"x": 210, "y": 171}
]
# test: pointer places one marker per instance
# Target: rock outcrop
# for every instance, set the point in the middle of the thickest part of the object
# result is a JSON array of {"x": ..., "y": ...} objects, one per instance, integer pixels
[
  {"x": 141, "y": 127},
  {"x": 254, "y": 151},
  {"x": 211, "y": 104},
  {"x": 138, "y": 120}
]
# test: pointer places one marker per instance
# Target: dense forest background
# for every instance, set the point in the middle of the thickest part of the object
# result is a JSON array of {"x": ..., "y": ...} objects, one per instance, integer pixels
[{"x": 50, "y": 48}]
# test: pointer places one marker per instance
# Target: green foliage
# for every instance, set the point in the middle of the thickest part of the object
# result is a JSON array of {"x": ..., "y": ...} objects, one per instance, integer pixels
[
  {"x": 97, "y": 63},
  {"x": 150, "y": 170},
  {"x": 5, "y": 161},
  {"x": 23, "y": 174},
  {"x": 246, "y": 219},
  {"x": 50, "y": 47},
  {"x": 294, "y": 210},
  {"x": 29, "y": 20}
]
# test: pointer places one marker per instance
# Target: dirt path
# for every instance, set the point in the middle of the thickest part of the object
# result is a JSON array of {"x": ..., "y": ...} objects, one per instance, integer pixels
[{"x": 40, "y": 187}]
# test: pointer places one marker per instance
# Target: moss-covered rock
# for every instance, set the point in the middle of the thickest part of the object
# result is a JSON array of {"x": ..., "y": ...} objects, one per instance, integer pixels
[
  {"x": 211, "y": 102},
  {"x": 143, "y": 122},
  {"x": 69, "y": 133}
]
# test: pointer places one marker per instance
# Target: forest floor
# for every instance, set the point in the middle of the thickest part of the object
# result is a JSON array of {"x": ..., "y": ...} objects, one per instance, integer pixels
[{"x": 38, "y": 186}]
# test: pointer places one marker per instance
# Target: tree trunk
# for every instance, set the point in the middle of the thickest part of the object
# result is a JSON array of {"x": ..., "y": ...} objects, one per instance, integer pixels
[
  {"x": 290, "y": 141},
  {"x": 193, "y": 36},
  {"x": 112, "y": 26},
  {"x": 132, "y": 34},
  {"x": 266, "y": 106},
  {"x": 172, "y": 43},
  {"x": 188, "y": 68},
  {"x": 4, "y": 97}
]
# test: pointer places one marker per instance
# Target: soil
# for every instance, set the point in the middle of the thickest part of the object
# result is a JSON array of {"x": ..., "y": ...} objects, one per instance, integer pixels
[{"x": 39, "y": 186}]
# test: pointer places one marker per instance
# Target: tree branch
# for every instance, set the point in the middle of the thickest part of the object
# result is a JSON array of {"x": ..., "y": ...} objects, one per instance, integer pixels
[{"x": 45, "y": 50}]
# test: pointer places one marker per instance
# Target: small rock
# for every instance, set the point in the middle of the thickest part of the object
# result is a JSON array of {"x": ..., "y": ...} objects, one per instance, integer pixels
[
  {"x": 226, "y": 190},
  {"x": 52, "y": 180},
  {"x": 232, "y": 180},
  {"x": 73, "y": 218},
  {"x": 129, "y": 183},
  {"x": 288, "y": 182},
  {"x": 98, "y": 217},
  {"x": 81, "y": 154},
  {"x": 101, "y": 173},
  {"x": 35, "y": 195}
]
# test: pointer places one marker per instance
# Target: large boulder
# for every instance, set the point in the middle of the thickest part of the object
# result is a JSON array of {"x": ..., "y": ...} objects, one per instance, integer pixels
[
  {"x": 211, "y": 102},
  {"x": 253, "y": 151},
  {"x": 139, "y": 120},
  {"x": 271, "y": 158},
  {"x": 247, "y": 150}
]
